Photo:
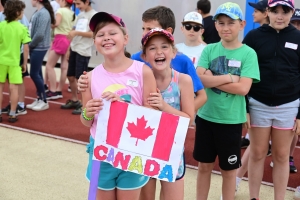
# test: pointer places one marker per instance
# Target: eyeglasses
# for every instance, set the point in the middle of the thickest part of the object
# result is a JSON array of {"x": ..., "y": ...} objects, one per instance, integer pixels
[{"x": 195, "y": 27}]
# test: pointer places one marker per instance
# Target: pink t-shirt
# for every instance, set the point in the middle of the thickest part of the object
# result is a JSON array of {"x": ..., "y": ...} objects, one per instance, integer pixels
[{"x": 128, "y": 85}]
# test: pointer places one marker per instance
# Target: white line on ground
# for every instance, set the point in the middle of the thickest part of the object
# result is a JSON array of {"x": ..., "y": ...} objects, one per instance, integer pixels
[
  {"x": 43, "y": 134},
  {"x": 26, "y": 97}
]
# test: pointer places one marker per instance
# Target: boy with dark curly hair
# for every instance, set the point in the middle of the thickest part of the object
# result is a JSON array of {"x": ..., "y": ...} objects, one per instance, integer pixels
[{"x": 10, "y": 52}]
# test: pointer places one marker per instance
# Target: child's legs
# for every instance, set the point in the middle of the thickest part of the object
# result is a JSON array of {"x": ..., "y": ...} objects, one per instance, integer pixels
[
  {"x": 106, "y": 194},
  {"x": 15, "y": 79},
  {"x": 63, "y": 72},
  {"x": 293, "y": 145},
  {"x": 205, "y": 153},
  {"x": 14, "y": 96},
  {"x": 148, "y": 191},
  {"x": 244, "y": 168},
  {"x": 228, "y": 144},
  {"x": 259, "y": 146},
  {"x": 1, "y": 94},
  {"x": 281, "y": 140},
  {"x": 128, "y": 194},
  {"x": 36, "y": 62},
  {"x": 172, "y": 190},
  {"x": 71, "y": 74},
  {"x": 228, "y": 184},
  {"x": 3, "y": 77},
  {"x": 51, "y": 62},
  {"x": 203, "y": 179},
  {"x": 21, "y": 92}
]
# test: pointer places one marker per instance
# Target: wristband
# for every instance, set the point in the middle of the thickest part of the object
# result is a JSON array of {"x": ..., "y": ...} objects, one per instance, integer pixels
[
  {"x": 230, "y": 77},
  {"x": 83, "y": 114}
]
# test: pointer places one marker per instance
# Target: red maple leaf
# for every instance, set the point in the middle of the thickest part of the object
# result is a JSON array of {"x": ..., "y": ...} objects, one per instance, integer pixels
[{"x": 139, "y": 131}]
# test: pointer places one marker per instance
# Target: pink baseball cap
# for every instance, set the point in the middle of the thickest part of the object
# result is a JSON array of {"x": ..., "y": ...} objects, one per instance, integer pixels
[
  {"x": 157, "y": 31},
  {"x": 103, "y": 17},
  {"x": 289, "y": 3}
]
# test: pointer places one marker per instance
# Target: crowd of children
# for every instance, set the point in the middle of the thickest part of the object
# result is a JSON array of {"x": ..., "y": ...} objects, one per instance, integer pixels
[{"x": 215, "y": 80}]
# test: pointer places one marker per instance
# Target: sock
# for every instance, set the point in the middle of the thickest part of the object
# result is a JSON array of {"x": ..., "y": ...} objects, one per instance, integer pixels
[
  {"x": 247, "y": 136},
  {"x": 238, "y": 180},
  {"x": 21, "y": 104},
  {"x": 12, "y": 113}
]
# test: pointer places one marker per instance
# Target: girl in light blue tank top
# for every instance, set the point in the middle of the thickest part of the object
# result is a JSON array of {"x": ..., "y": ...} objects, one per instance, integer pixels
[
  {"x": 171, "y": 96},
  {"x": 175, "y": 95}
]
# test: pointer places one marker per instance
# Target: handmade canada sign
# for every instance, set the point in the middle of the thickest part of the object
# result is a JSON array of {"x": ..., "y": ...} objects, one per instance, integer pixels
[{"x": 141, "y": 140}]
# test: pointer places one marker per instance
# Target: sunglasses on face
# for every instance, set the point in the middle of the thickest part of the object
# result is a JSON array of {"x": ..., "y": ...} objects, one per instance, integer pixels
[{"x": 195, "y": 27}]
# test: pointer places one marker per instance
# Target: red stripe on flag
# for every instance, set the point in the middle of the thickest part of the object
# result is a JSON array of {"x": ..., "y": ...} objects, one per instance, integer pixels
[
  {"x": 165, "y": 136},
  {"x": 117, "y": 116}
]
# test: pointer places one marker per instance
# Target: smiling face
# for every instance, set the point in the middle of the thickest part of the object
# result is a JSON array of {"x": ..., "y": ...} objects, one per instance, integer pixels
[
  {"x": 159, "y": 52},
  {"x": 81, "y": 5},
  {"x": 280, "y": 17},
  {"x": 111, "y": 40},
  {"x": 228, "y": 28}
]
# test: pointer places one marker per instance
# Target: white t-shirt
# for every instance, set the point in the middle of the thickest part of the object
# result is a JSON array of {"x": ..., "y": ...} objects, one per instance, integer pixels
[
  {"x": 194, "y": 53},
  {"x": 79, "y": 44},
  {"x": 55, "y": 6}
]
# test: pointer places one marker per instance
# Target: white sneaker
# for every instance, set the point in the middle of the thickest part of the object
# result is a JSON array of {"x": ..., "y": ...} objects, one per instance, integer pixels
[
  {"x": 297, "y": 193},
  {"x": 30, "y": 106},
  {"x": 41, "y": 106}
]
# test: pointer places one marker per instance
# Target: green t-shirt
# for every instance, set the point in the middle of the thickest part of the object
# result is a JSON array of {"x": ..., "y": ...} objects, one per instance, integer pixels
[
  {"x": 12, "y": 36},
  {"x": 222, "y": 107}
]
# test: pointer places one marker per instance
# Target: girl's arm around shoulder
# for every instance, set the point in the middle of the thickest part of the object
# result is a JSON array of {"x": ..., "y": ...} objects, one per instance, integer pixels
[
  {"x": 149, "y": 85},
  {"x": 187, "y": 96}
]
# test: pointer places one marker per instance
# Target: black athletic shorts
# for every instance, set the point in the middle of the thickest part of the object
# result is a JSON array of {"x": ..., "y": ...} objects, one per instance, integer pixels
[
  {"x": 77, "y": 64},
  {"x": 21, "y": 63},
  {"x": 222, "y": 140}
]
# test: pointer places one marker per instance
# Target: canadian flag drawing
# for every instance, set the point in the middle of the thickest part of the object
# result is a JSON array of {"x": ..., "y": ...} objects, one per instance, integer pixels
[{"x": 141, "y": 140}]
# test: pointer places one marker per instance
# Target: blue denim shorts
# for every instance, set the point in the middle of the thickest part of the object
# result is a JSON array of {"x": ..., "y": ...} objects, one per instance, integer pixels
[{"x": 111, "y": 178}]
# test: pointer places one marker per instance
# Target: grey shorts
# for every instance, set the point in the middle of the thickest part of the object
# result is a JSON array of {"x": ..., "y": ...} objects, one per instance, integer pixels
[{"x": 279, "y": 117}]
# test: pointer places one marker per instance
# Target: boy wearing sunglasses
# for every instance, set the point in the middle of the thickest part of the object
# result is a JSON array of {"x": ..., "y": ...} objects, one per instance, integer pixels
[{"x": 192, "y": 29}]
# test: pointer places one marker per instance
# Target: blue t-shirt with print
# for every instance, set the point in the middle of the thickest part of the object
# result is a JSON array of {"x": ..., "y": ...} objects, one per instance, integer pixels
[{"x": 180, "y": 63}]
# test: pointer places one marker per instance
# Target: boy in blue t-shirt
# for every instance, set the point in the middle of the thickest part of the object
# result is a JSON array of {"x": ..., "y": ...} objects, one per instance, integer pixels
[{"x": 164, "y": 18}]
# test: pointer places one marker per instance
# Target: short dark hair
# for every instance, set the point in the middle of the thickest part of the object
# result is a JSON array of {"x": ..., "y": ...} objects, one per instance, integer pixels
[
  {"x": 13, "y": 9},
  {"x": 204, "y": 6},
  {"x": 3, "y": 2},
  {"x": 284, "y": 8},
  {"x": 162, "y": 14}
]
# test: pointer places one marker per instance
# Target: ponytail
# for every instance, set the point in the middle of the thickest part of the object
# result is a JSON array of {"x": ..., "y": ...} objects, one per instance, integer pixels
[
  {"x": 73, "y": 8},
  {"x": 127, "y": 54},
  {"x": 48, "y": 7}
]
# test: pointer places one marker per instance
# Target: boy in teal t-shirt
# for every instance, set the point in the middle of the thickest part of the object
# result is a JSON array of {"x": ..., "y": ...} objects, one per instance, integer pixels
[
  {"x": 227, "y": 70},
  {"x": 10, "y": 52}
]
